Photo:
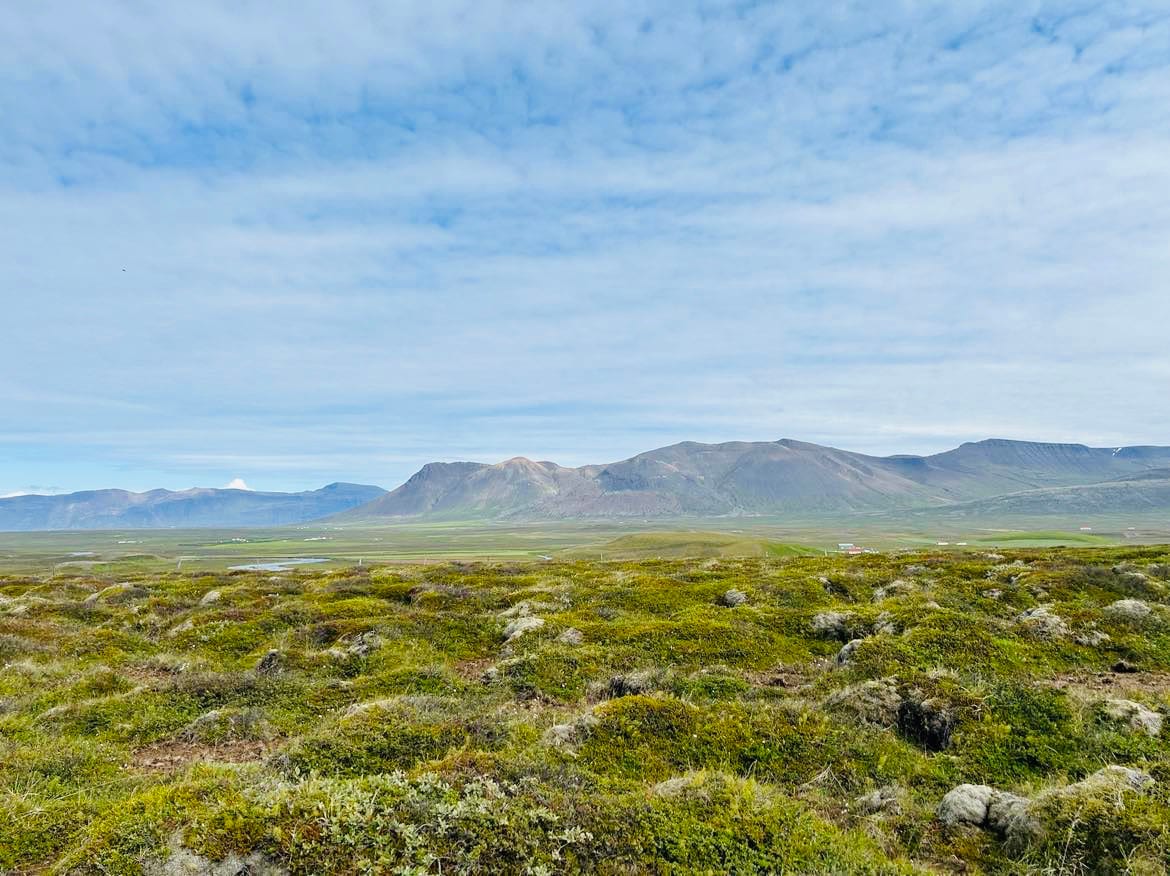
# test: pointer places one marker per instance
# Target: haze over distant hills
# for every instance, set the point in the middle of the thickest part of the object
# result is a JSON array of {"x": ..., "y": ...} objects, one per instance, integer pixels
[
  {"x": 119, "y": 509},
  {"x": 785, "y": 478}
]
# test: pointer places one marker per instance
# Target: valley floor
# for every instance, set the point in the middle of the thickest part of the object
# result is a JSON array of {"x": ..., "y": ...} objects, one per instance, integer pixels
[
  {"x": 980, "y": 711},
  {"x": 141, "y": 551}
]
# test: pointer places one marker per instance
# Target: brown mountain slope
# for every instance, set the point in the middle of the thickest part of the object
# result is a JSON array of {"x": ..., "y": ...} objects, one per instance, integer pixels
[{"x": 778, "y": 477}]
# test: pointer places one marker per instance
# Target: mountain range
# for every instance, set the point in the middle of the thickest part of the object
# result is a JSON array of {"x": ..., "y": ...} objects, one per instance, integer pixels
[
  {"x": 783, "y": 478},
  {"x": 200, "y": 507}
]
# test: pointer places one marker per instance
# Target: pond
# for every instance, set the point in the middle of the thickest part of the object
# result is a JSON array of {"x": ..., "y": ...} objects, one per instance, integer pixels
[{"x": 277, "y": 565}]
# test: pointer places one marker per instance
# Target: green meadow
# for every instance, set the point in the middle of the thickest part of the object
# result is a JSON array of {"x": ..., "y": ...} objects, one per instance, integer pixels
[{"x": 127, "y": 551}]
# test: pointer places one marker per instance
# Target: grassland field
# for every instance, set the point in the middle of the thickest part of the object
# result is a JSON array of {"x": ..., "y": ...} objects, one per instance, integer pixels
[
  {"x": 219, "y": 550},
  {"x": 934, "y": 710}
]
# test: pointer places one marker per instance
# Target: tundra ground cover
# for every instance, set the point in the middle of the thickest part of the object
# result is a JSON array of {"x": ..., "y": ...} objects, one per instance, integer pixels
[{"x": 889, "y": 713}]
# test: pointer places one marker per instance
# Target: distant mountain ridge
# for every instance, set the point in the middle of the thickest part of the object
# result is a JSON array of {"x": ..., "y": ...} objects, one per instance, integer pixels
[
  {"x": 199, "y": 507},
  {"x": 784, "y": 477},
  {"x": 1130, "y": 495}
]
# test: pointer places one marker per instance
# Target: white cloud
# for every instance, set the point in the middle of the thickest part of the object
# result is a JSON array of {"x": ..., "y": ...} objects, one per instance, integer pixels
[
  {"x": 237, "y": 484},
  {"x": 31, "y": 490},
  {"x": 345, "y": 246}
]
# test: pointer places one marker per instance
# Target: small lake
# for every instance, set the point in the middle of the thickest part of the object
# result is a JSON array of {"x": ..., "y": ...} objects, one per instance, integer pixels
[{"x": 277, "y": 565}]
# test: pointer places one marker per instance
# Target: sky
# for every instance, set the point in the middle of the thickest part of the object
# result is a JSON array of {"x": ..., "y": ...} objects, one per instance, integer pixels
[{"x": 300, "y": 244}]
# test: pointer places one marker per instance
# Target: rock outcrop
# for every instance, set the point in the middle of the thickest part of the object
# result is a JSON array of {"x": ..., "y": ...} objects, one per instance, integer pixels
[{"x": 1043, "y": 623}]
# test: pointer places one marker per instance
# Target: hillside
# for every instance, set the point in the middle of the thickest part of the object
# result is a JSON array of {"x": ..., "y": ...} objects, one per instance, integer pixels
[
  {"x": 119, "y": 509},
  {"x": 783, "y": 477},
  {"x": 1124, "y": 496}
]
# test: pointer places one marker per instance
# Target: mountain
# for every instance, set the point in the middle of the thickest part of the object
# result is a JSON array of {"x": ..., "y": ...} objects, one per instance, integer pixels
[
  {"x": 783, "y": 477},
  {"x": 119, "y": 509},
  {"x": 1001, "y": 466},
  {"x": 476, "y": 489},
  {"x": 1131, "y": 495}
]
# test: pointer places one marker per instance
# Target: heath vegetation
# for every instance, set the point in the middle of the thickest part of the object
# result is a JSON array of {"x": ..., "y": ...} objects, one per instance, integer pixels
[{"x": 888, "y": 713}]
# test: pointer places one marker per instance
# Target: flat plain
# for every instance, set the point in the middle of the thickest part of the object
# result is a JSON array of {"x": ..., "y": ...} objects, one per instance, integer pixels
[{"x": 159, "y": 550}]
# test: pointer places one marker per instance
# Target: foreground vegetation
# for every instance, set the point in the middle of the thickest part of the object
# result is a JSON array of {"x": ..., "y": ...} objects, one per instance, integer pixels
[{"x": 888, "y": 713}]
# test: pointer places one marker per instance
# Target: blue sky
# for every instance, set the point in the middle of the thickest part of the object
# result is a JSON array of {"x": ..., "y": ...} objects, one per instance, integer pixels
[{"x": 340, "y": 243}]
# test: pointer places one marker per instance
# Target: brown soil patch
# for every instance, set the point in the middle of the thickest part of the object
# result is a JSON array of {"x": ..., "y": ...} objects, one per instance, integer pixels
[
  {"x": 795, "y": 677},
  {"x": 1100, "y": 684},
  {"x": 473, "y": 670},
  {"x": 174, "y": 755},
  {"x": 153, "y": 676}
]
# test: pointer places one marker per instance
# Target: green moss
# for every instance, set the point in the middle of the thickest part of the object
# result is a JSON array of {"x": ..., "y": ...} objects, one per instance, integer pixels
[
  {"x": 121, "y": 837},
  {"x": 653, "y": 737},
  {"x": 385, "y": 735},
  {"x": 559, "y": 675},
  {"x": 712, "y": 823},
  {"x": 714, "y": 683},
  {"x": 399, "y": 730},
  {"x": 701, "y": 638},
  {"x": 1113, "y": 831},
  {"x": 1024, "y": 732}
]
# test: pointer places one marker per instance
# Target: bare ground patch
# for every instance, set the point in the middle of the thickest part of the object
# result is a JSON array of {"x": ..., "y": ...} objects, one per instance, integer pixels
[
  {"x": 1096, "y": 684},
  {"x": 177, "y": 754}
]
